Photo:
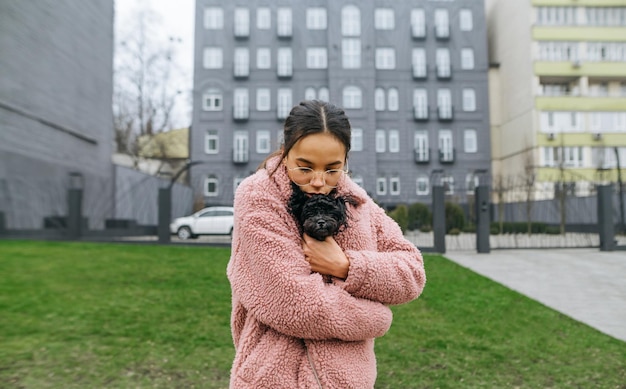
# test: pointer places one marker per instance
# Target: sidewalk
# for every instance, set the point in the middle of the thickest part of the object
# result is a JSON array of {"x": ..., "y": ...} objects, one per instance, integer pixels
[{"x": 585, "y": 284}]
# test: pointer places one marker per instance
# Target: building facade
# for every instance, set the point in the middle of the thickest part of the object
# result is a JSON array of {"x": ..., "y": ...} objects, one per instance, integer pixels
[
  {"x": 411, "y": 75},
  {"x": 561, "y": 93},
  {"x": 55, "y": 109}
]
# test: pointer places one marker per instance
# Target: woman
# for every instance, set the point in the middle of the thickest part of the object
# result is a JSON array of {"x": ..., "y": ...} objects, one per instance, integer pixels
[{"x": 291, "y": 327}]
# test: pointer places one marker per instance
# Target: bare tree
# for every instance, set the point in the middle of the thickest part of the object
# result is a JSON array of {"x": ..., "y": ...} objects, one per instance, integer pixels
[
  {"x": 529, "y": 177},
  {"x": 500, "y": 187},
  {"x": 145, "y": 93}
]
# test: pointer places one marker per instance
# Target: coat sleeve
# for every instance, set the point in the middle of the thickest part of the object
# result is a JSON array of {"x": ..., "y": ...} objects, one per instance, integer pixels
[
  {"x": 273, "y": 281},
  {"x": 394, "y": 273}
]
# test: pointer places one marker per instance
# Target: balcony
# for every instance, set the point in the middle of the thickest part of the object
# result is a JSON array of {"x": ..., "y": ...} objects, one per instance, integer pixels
[
  {"x": 418, "y": 31},
  {"x": 241, "y": 73},
  {"x": 447, "y": 156},
  {"x": 444, "y": 72},
  {"x": 442, "y": 32},
  {"x": 422, "y": 155},
  {"x": 284, "y": 72},
  {"x": 240, "y": 156},
  {"x": 419, "y": 72},
  {"x": 242, "y": 32},
  {"x": 284, "y": 31},
  {"x": 445, "y": 113},
  {"x": 420, "y": 113},
  {"x": 241, "y": 114}
]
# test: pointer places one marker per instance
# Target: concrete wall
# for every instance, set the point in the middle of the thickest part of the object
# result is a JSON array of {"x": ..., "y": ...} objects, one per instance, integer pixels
[{"x": 55, "y": 107}]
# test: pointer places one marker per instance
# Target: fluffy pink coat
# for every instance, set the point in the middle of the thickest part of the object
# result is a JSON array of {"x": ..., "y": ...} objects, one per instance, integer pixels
[{"x": 289, "y": 327}]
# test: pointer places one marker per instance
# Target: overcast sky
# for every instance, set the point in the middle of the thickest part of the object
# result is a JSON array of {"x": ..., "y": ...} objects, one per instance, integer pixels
[{"x": 177, "y": 17}]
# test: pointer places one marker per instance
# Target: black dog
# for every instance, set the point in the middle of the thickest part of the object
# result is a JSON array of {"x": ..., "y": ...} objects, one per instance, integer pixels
[{"x": 318, "y": 215}]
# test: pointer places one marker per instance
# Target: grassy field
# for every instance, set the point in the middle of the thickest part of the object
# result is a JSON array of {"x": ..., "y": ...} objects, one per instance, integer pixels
[{"x": 82, "y": 315}]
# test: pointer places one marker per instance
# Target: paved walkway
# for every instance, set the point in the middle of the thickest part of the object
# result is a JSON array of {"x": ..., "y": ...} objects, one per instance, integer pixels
[{"x": 585, "y": 284}]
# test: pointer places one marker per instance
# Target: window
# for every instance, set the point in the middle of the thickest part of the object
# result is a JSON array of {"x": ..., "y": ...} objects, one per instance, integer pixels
[
  {"x": 466, "y": 22},
  {"x": 284, "y": 22},
  {"x": 608, "y": 122},
  {"x": 471, "y": 182},
  {"x": 422, "y": 185},
  {"x": 263, "y": 142},
  {"x": 442, "y": 24},
  {"x": 284, "y": 102},
  {"x": 323, "y": 94},
  {"x": 394, "y": 186},
  {"x": 555, "y": 121},
  {"x": 384, "y": 19},
  {"x": 381, "y": 146},
  {"x": 448, "y": 184},
  {"x": 263, "y": 58},
  {"x": 357, "y": 139},
  {"x": 213, "y": 18},
  {"x": 309, "y": 94},
  {"x": 599, "y": 90},
  {"x": 385, "y": 58},
  {"x": 420, "y": 103},
  {"x": 241, "y": 104},
  {"x": 242, "y": 22},
  {"x": 573, "y": 156},
  {"x": 263, "y": 99},
  {"x": 316, "y": 18},
  {"x": 263, "y": 18},
  {"x": 352, "y": 97},
  {"x": 240, "y": 147},
  {"x": 419, "y": 62},
  {"x": 316, "y": 58},
  {"x": 358, "y": 180},
  {"x": 443, "y": 63},
  {"x": 285, "y": 68},
  {"x": 446, "y": 149},
  {"x": 444, "y": 103},
  {"x": 467, "y": 59},
  {"x": 350, "y": 21},
  {"x": 394, "y": 141},
  {"x": 236, "y": 182},
  {"x": 469, "y": 100},
  {"x": 558, "y": 51},
  {"x": 212, "y": 58},
  {"x": 393, "y": 100},
  {"x": 556, "y": 16},
  {"x": 379, "y": 99},
  {"x": 381, "y": 186},
  {"x": 606, "y": 51},
  {"x": 242, "y": 62},
  {"x": 420, "y": 145},
  {"x": 211, "y": 142},
  {"x": 212, "y": 100},
  {"x": 211, "y": 185},
  {"x": 549, "y": 156},
  {"x": 351, "y": 53},
  {"x": 470, "y": 142},
  {"x": 606, "y": 16},
  {"x": 418, "y": 23}
]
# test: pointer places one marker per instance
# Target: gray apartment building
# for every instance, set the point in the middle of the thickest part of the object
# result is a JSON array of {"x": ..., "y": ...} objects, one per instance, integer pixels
[
  {"x": 411, "y": 75},
  {"x": 55, "y": 109}
]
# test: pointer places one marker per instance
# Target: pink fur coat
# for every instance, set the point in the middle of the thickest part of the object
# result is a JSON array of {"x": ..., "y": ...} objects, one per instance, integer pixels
[{"x": 290, "y": 328}]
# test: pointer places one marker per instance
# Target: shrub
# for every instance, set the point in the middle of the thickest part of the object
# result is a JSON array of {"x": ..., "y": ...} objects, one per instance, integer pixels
[
  {"x": 470, "y": 227},
  {"x": 454, "y": 231},
  {"x": 553, "y": 230},
  {"x": 455, "y": 218},
  {"x": 401, "y": 215},
  {"x": 419, "y": 215},
  {"x": 494, "y": 229},
  {"x": 426, "y": 228}
]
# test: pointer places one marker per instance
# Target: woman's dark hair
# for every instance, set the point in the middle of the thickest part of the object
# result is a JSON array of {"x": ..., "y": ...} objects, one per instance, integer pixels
[{"x": 313, "y": 117}]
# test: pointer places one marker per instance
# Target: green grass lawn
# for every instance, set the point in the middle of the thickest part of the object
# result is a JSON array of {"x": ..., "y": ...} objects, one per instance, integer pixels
[{"x": 83, "y": 315}]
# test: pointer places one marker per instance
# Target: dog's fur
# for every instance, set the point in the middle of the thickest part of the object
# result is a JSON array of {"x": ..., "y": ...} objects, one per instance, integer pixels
[{"x": 318, "y": 215}]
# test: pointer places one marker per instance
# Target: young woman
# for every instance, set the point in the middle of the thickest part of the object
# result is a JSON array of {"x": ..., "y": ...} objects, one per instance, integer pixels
[{"x": 291, "y": 327}]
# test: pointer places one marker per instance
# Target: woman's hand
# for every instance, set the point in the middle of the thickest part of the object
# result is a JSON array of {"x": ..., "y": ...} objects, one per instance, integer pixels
[{"x": 326, "y": 257}]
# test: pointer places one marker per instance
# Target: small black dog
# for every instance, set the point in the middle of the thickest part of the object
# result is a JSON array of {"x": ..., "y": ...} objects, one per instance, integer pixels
[{"x": 319, "y": 215}]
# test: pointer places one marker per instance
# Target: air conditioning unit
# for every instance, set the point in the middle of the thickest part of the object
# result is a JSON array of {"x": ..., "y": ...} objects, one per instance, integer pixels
[
  {"x": 576, "y": 63},
  {"x": 551, "y": 136},
  {"x": 597, "y": 136}
]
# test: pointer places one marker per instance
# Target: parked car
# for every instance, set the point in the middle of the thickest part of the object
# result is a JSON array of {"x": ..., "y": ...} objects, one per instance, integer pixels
[{"x": 208, "y": 221}]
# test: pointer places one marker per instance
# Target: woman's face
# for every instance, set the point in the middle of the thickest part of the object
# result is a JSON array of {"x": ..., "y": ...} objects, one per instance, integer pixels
[{"x": 322, "y": 153}]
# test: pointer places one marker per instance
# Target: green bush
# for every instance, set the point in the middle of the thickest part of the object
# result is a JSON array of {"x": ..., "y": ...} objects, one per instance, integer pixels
[
  {"x": 401, "y": 215},
  {"x": 494, "y": 229},
  {"x": 426, "y": 228},
  {"x": 419, "y": 215},
  {"x": 470, "y": 227},
  {"x": 455, "y": 217},
  {"x": 454, "y": 231},
  {"x": 553, "y": 230}
]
